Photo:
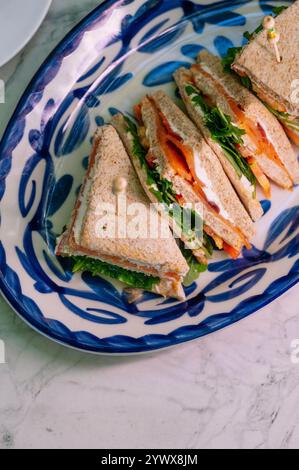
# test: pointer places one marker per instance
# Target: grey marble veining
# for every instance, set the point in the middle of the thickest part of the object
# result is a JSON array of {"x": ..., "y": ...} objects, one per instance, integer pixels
[{"x": 237, "y": 388}]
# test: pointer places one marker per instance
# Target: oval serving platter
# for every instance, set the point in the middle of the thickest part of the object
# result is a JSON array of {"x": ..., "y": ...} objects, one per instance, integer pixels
[{"x": 118, "y": 53}]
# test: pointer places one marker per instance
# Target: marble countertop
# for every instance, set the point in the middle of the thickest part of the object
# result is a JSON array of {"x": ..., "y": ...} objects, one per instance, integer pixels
[{"x": 238, "y": 388}]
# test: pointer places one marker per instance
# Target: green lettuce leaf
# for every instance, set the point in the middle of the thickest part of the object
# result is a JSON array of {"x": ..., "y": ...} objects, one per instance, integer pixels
[
  {"x": 131, "y": 278},
  {"x": 195, "y": 267},
  {"x": 222, "y": 130}
]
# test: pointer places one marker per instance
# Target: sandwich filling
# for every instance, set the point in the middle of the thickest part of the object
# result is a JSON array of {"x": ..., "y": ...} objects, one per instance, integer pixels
[
  {"x": 289, "y": 123},
  {"x": 163, "y": 191},
  {"x": 135, "y": 279},
  {"x": 145, "y": 278},
  {"x": 84, "y": 260},
  {"x": 183, "y": 161},
  {"x": 227, "y": 135}
]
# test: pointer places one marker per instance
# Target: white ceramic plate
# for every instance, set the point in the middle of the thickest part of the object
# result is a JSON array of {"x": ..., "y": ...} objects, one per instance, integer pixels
[
  {"x": 116, "y": 55},
  {"x": 19, "y": 21}
]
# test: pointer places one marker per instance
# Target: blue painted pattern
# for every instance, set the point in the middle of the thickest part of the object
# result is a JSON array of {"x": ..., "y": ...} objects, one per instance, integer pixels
[{"x": 54, "y": 162}]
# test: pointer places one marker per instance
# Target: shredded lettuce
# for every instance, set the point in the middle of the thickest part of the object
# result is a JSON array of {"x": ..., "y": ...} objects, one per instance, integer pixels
[
  {"x": 131, "y": 278},
  {"x": 223, "y": 132}
]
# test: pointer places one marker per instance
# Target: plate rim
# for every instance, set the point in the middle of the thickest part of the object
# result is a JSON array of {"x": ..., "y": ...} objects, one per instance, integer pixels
[
  {"x": 143, "y": 344},
  {"x": 116, "y": 351}
]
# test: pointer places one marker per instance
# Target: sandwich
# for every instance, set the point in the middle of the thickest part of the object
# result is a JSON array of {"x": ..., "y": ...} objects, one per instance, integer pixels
[
  {"x": 275, "y": 83},
  {"x": 261, "y": 147},
  {"x": 176, "y": 166},
  {"x": 223, "y": 137},
  {"x": 90, "y": 239}
]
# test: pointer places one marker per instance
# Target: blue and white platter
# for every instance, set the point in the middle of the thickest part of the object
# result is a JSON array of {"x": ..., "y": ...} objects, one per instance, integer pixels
[{"x": 118, "y": 53}]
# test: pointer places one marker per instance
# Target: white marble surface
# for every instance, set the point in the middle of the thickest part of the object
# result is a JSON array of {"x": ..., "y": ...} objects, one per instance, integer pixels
[{"x": 234, "y": 389}]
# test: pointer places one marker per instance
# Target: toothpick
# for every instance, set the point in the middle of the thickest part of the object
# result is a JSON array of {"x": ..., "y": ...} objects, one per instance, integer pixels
[
  {"x": 272, "y": 35},
  {"x": 120, "y": 185}
]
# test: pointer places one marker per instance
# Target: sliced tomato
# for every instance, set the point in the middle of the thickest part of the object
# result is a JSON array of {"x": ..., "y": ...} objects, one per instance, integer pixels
[
  {"x": 260, "y": 176},
  {"x": 233, "y": 253},
  {"x": 179, "y": 197},
  {"x": 262, "y": 132},
  {"x": 292, "y": 135}
]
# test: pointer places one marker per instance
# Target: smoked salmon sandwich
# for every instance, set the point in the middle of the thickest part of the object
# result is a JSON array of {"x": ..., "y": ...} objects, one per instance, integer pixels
[
  {"x": 176, "y": 165},
  {"x": 247, "y": 138},
  {"x": 143, "y": 262}
]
